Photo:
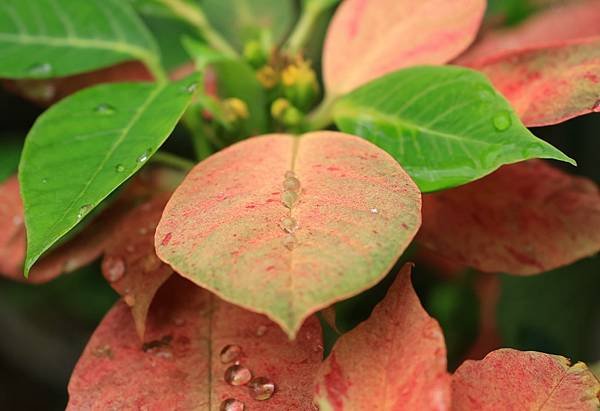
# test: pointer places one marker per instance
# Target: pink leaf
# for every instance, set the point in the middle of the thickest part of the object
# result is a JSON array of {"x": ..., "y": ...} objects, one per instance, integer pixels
[
  {"x": 180, "y": 367},
  {"x": 369, "y": 38},
  {"x": 515, "y": 380},
  {"x": 525, "y": 218},
  {"x": 396, "y": 360}
]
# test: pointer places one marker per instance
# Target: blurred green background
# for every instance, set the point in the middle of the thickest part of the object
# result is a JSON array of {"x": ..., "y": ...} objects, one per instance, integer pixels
[{"x": 44, "y": 328}]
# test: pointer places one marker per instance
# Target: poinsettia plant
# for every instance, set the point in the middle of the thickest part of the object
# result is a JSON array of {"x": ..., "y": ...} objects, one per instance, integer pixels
[{"x": 317, "y": 141}]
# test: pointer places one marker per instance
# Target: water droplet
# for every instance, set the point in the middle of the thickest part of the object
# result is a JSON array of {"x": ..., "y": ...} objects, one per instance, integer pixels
[
  {"x": 502, "y": 121},
  {"x": 230, "y": 353},
  {"x": 289, "y": 174},
  {"x": 289, "y": 198},
  {"x": 237, "y": 375},
  {"x": 485, "y": 93},
  {"x": 261, "y": 330},
  {"x": 596, "y": 107},
  {"x": 289, "y": 242},
  {"x": 44, "y": 180},
  {"x": 40, "y": 69},
  {"x": 129, "y": 300},
  {"x": 190, "y": 88},
  {"x": 231, "y": 404},
  {"x": 374, "y": 211},
  {"x": 104, "y": 109},
  {"x": 291, "y": 183},
  {"x": 119, "y": 168},
  {"x": 114, "y": 269},
  {"x": 289, "y": 224},
  {"x": 144, "y": 156},
  {"x": 83, "y": 210},
  {"x": 261, "y": 388}
]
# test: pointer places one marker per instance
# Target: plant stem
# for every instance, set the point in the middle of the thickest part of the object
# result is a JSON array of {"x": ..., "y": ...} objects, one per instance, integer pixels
[
  {"x": 196, "y": 17},
  {"x": 153, "y": 65},
  {"x": 322, "y": 116},
  {"x": 199, "y": 140},
  {"x": 310, "y": 13},
  {"x": 172, "y": 160}
]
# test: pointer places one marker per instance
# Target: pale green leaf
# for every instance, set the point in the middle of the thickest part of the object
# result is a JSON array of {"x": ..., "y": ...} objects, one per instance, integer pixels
[
  {"x": 51, "y": 38},
  {"x": 445, "y": 125},
  {"x": 85, "y": 146}
]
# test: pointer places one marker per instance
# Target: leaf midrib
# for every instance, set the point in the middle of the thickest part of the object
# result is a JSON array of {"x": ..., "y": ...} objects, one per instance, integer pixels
[
  {"x": 151, "y": 97},
  {"x": 83, "y": 43}
]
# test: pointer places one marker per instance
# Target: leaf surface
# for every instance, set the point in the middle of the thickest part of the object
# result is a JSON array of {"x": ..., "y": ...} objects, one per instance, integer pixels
[
  {"x": 10, "y": 152},
  {"x": 367, "y": 39},
  {"x": 549, "y": 85},
  {"x": 511, "y": 379},
  {"x": 394, "y": 360},
  {"x": 557, "y": 25},
  {"x": 445, "y": 125},
  {"x": 356, "y": 212},
  {"x": 180, "y": 367},
  {"x": 130, "y": 263},
  {"x": 525, "y": 218},
  {"x": 51, "y": 38},
  {"x": 110, "y": 131}
]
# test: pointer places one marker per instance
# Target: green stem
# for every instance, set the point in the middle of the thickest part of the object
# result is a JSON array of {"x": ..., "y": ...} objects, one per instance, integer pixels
[
  {"x": 322, "y": 116},
  {"x": 196, "y": 18},
  {"x": 304, "y": 27},
  {"x": 172, "y": 160},
  {"x": 199, "y": 140},
  {"x": 156, "y": 69}
]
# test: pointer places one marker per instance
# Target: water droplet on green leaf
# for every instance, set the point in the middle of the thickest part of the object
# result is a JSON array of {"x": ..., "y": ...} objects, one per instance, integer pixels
[
  {"x": 83, "y": 210},
  {"x": 502, "y": 121},
  {"x": 104, "y": 109},
  {"x": 40, "y": 70}
]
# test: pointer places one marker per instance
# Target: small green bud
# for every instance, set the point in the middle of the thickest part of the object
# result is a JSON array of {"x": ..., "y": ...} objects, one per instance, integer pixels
[
  {"x": 255, "y": 54},
  {"x": 300, "y": 84}
]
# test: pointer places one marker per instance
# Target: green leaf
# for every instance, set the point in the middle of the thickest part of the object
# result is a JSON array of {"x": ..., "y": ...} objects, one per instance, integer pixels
[
  {"x": 85, "y": 146},
  {"x": 10, "y": 151},
  {"x": 445, "y": 125},
  {"x": 236, "y": 79},
  {"x": 51, "y": 38},
  {"x": 243, "y": 20}
]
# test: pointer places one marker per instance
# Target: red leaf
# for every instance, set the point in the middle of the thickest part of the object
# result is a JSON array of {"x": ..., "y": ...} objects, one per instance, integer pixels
[
  {"x": 548, "y": 85},
  {"x": 182, "y": 369},
  {"x": 12, "y": 229},
  {"x": 130, "y": 264},
  {"x": 394, "y": 360},
  {"x": 555, "y": 26},
  {"x": 514, "y": 380},
  {"x": 367, "y": 38},
  {"x": 525, "y": 218}
]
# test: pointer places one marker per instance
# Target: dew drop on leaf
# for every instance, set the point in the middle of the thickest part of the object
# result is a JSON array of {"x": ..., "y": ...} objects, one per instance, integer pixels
[
  {"x": 190, "y": 88},
  {"x": 261, "y": 330},
  {"x": 104, "y": 109},
  {"x": 289, "y": 198},
  {"x": 502, "y": 121},
  {"x": 144, "y": 156},
  {"x": 291, "y": 183},
  {"x": 289, "y": 224},
  {"x": 231, "y": 404},
  {"x": 230, "y": 353},
  {"x": 39, "y": 69},
  {"x": 261, "y": 388},
  {"x": 237, "y": 375},
  {"x": 83, "y": 210},
  {"x": 129, "y": 300},
  {"x": 115, "y": 269},
  {"x": 44, "y": 180},
  {"x": 289, "y": 174},
  {"x": 289, "y": 242},
  {"x": 119, "y": 168}
]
